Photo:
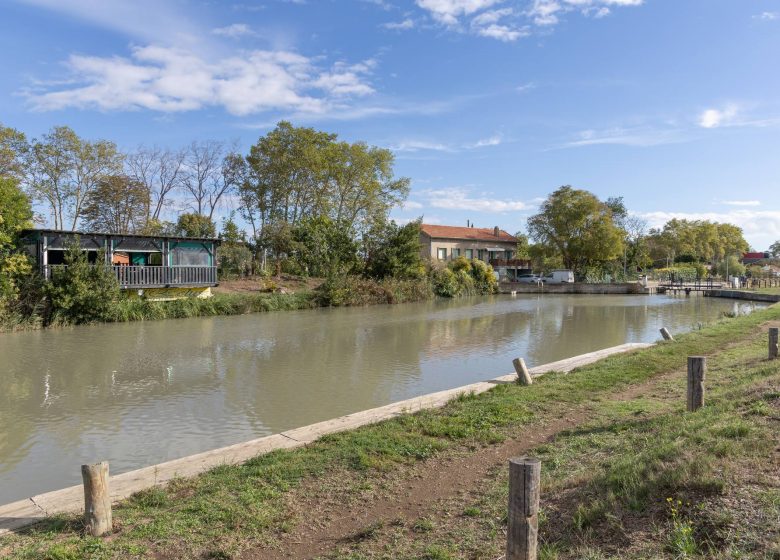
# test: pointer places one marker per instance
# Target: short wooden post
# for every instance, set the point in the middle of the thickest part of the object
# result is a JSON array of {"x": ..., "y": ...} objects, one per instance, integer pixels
[
  {"x": 97, "y": 499},
  {"x": 773, "y": 343},
  {"x": 666, "y": 334},
  {"x": 523, "y": 515},
  {"x": 523, "y": 375},
  {"x": 697, "y": 370}
]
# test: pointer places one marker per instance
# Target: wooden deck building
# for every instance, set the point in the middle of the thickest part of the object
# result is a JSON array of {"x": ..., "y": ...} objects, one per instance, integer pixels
[{"x": 138, "y": 261}]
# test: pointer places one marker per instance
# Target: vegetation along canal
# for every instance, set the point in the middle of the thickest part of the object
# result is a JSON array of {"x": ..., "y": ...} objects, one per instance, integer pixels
[{"x": 136, "y": 394}]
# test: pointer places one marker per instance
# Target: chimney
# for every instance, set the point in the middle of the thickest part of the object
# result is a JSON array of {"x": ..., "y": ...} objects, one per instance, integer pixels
[
  {"x": 496, "y": 231},
  {"x": 467, "y": 223}
]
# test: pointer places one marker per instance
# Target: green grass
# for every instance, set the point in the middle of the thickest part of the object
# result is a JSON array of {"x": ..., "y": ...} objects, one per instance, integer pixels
[{"x": 625, "y": 462}]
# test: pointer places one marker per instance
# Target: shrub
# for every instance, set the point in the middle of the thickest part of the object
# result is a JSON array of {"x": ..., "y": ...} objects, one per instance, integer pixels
[
  {"x": 445, "y": 282},
  {"x": 80, "y": 292}
]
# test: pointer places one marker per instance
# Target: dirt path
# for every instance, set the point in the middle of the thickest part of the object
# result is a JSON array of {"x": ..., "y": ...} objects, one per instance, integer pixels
[{"x": 327, "y": 520}]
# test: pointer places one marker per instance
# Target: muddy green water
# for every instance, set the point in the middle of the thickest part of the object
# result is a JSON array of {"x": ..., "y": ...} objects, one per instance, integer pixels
[{"x": 136, "y": 394}]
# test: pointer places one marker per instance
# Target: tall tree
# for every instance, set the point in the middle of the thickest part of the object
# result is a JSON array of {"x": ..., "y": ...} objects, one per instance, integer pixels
[
  {"x": 92, "y": 162},
  {"x": 117, "y": 205},
  {"x": 208, "y": 175},
  {"x": 578, "y": 227},
  {"x": 774, "y": 248},
  {"x": 160, "y": 171},
  {"x": 15, "y": 215},
  {"x": 52, "y": 160},
  {"x": 14, "y": 150}
]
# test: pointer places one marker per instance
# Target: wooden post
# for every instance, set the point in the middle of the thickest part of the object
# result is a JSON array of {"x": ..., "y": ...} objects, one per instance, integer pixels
[
  {"x": 97, "y": 499},
  {"x": 523, "y": 375},
  {"x": 773, "y": 343},
  {"x": 666, "y": 334},
  {"x": 697, "y": 369},
  {"x": 523, "y": 515}
]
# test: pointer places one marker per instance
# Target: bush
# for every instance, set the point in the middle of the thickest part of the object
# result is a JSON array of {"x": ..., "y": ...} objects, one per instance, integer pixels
[
  {"x": 80, "y": 292},
  {"x": 445, "y": 282},
  {"x": 356, "y": 290},
  {"x": 234, "y": 260}
]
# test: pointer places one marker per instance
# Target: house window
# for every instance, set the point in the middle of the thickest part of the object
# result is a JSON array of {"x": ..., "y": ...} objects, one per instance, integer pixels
[
  {"x": 455, "y": 253},
  {"x": 469, "y": 254},
  {"x": 481, "y": 253},
  {"x": 442, "y": 253},
  {"x": 508, "y": 255}
]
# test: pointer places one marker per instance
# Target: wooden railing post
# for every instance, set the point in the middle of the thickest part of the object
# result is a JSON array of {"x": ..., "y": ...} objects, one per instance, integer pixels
[
  {"x": 97, "y": 499},
  {"x": 666, "y": 334},
  {"x": 697, "y": 370},
  {"x": 773, "y": 343},
  {"x": 523, "y": 514},
  {"x": 523, "y": 375}
]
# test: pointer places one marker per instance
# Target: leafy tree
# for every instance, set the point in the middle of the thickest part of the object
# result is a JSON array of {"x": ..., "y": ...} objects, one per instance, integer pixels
[
  {"x": 235, "y": 258},
  {"x": 15, "y": 215},
  {"x": 393, "y": 251},
  {"x": 65, "y": 169},
  {"x": 774, "y": 249},
  {"x": 13, "y": 152},
  {"x": 702, "y": 240},
  {"x": 195, "y": 225},
  {"x": 730, "y": 266},
  {"x": 578, "y": 227},
  {"x": 523, "y": 246},
  {"x": 324, "y": 249},
  {"x": 80, "y": 292},
  {"x": 118, "y": 204}
]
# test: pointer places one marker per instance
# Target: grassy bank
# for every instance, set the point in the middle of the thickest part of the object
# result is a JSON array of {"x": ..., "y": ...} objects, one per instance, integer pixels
[{"x": 607, "y": 478}]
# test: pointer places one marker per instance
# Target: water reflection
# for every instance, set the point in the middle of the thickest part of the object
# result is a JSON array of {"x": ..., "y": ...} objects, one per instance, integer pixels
[{"x": 140, "y": 393}]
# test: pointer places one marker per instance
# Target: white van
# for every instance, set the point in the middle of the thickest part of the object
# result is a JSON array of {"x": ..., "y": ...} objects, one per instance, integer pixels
[{"x": 559, "y": 277}]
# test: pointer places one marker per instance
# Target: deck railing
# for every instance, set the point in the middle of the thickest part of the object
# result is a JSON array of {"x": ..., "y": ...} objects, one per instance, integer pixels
[{"x": 157, "y": 276}]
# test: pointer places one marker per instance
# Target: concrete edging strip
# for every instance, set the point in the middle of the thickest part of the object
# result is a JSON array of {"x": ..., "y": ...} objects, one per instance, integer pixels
[{"x": 26, "y": 512}]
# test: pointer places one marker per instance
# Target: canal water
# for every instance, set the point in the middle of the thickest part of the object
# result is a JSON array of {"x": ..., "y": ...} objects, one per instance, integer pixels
[{"x": 139, "y": 393}]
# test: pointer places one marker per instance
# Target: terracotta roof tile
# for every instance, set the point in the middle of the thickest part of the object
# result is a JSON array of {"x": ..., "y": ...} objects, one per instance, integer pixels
[{"x": 477, "y": 234}]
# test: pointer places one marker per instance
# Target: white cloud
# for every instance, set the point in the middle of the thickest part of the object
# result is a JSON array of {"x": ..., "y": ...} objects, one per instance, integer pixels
[
  {"x": 522, "y": 88},
  {"x": 460, "y": 199},
  {"x": 448, "y": 12},
  {"x": 768, "y": 16},
  {"x": 548, "y": 12},
  {"x": 233, "y": 31},
  {"x": 404, "y": 25},
  {"x": 636, "y": 136},
  {"x": 427, "y": 145},
  {"x": 713, "y": 118},
  {"x": 742, "y": 202},
  {"x": 761, "y": 227},
  {"x": 411, "y": 205},
  {"x": 170, "y": 79},
  {"x": 494, "y": 140}
]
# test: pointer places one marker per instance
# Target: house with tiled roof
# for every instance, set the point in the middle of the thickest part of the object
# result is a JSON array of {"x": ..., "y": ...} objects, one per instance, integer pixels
[{"x": 440, "y": 244}]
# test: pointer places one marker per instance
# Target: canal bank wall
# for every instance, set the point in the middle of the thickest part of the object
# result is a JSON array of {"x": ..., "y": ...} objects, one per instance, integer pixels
[
  {"x": 31, "y": 510},
  {"x": 574, "y": 288},
  {"x": 739, "y": 294}
]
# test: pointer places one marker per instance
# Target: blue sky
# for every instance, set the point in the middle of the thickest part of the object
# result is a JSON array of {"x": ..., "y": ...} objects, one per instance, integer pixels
[{"x": 489, "y": 105}]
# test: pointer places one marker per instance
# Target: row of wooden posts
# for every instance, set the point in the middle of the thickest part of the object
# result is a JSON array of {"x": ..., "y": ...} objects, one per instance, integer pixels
[{"x": 525, "y": 472}]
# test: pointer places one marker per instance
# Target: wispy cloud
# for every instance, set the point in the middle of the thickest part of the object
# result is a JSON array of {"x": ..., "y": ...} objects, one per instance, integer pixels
[
  {"x": 411, "y": 145},
  {"x": 234, "y": 31},
  {"x": 504, "y": 21},
  {"x": 461, "y": 199},
  {"x": 171, "y": 79},
  {"x": 642, "y": 136},
  {"x": 403, "y": 25},
  {"x": 741, "y": 202},
  {"x": 768, "y": 16},
  {"x": 713, "y": 118}
]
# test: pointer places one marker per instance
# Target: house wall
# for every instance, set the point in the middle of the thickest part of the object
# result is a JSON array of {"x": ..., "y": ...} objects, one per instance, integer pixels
[{"x": 430, "y": 246}]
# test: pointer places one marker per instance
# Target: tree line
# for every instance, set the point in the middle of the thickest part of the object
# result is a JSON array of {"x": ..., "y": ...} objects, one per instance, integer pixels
[{"x": 574, "y": 229}]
